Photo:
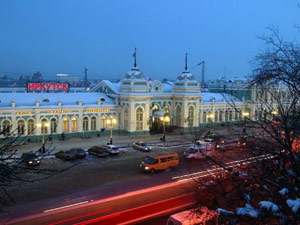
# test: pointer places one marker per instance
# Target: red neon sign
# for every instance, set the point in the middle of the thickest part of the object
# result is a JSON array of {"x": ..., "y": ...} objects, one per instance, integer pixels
[{"x": 47, "y": 87}]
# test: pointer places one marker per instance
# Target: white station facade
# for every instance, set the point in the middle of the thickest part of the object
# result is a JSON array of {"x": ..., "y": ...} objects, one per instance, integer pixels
[{"x": 134, "y": 105}]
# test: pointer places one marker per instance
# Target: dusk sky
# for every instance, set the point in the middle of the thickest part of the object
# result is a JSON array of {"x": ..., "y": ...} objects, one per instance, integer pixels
[{"x": 64, "y": 36}]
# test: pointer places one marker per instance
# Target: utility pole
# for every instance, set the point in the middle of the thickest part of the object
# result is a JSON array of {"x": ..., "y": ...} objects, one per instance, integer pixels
[{"x": 85, "y": 78}]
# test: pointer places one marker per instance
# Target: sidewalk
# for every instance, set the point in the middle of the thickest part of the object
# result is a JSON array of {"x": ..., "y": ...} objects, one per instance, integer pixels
[{"x": 122, "y": 141}]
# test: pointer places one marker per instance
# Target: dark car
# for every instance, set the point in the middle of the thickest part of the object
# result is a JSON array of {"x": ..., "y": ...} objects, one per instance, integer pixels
[
  {"x": 98, "y": 151},
  {"x": 79, "y": 152},
  {"x": 65, "y": 155},
  {"x": 30, "y": 159}
]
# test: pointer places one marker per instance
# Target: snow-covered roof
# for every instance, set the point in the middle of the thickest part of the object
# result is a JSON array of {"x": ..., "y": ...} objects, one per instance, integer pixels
[
  {"x": 27, "y": 100},
  {"x": 186, "y": 75},
  {"x": 115, "y": 87},
  {"x": 134, "y": 74},
  {"x": 167, "y": 87},
  {"x": 218, "y": 97}
]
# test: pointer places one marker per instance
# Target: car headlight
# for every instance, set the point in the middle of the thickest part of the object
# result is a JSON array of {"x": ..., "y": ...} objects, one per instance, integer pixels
[
  {"x": 146, "y": 168},
  {"x": 38, "y": 161},
  {"x": 218, "y": 146},
  {"x": 30, "y": 162}
]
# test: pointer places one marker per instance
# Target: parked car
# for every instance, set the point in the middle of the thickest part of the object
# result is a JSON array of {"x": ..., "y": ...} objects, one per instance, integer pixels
[
  {"x": 152, "y": 164},
  {"x": 197, "y": 152},
  {"x": 65, "y": 155},
  {"x": 111, "y": 149},
  {"x": 141, "y": 146},
  {"x": 98, "y": 151},
  {"x": 79, "y": 152},
  {"x": 205, "y": 141},
  {"x": 30, "y": 159}
]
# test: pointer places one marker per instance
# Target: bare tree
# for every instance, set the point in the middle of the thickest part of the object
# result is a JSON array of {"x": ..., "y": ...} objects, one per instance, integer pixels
[
  {"x": 266, "y": 190},
  {"x": 13, "y": 170}
]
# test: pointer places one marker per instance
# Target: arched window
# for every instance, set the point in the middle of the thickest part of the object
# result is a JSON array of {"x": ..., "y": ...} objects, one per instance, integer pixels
[
  {"x": 104, "y": 122},
  {"x": 74, "y": 125},
  {"x": 21, "y": 127},
  {"x": 155, "y": 108},
  {"x": 210, "y": 116},
  {"x": 166, "y": 109},
  {"x": 85, "y": 124},
  {"x": 30, "y": 127},
  {"x": 53, "y": 125},
  {"x": 230, "y": 115},
  {"x": 216, "y": 116},
  {"x": 139, "y": 119},
  {"x": 236, "y": 114},
  {"x": 125, "y": 118},
  {"x": 220, "y": 116},
  {"x": 191, "y": 116},
  {"x": 44, "y": 128},
  {"x": 204, "y": 117},
  {"x": 66, "y": 125},
  {"x": 93, "y": 123},
  {"x": 6, "y": 128},
  {"x": 226, "y": 115},
  {"x": 178, "y": 115}
]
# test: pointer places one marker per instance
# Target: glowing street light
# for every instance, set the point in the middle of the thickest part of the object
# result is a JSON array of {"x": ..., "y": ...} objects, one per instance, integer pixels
[
  {"x": 43, "y": 127},
  {"x": 111, "y": 121},
  {"x": 165, "y": 119}
]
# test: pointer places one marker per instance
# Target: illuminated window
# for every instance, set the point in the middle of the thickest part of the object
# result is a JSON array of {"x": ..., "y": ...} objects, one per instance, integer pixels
[
  {"x": 178, "y": 115},
  {"x": 21, "y": 127},
  {"x": 6, "y": 128},
  {"x": 44, "y": 128},
  {"x": 191, "y": 116},
  {"x": 221, "y": 116},
  {"x": 74, "y": 124},
  {"x": 30, "y": 127},
  {"x": 216, "y": 116},
  {"x": 53, "y": 125},
  {"x": 93, "y": 123},
  {"x": 204, "y": 117},
  {"x": 139, "y": 119},
  {"x": 104, "y": 121},
  {"x": 66, "y": 125},
  {"x": 125, "y": 118},
  {"x": 166, "y": 109},
  {"x": 85, "y": 124},
  {"x": 155, "y": 108}
]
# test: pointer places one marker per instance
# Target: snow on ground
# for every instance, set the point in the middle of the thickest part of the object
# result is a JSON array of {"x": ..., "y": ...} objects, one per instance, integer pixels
[
  {"x": 247, "y": 212},
  {"x": 293, "y": 204},
  {"x": 283, "y": 191},
  {"x": 225, "y": 212},
  {"x": 270, "y": 206}
]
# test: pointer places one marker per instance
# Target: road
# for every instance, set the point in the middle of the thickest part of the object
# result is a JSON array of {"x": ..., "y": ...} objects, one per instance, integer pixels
[{"x": 102, "y": 182}]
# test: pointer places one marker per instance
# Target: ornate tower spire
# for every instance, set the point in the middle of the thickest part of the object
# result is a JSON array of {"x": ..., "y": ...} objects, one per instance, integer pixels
[
  {"x": 186, "y": 67},
  {"x": 134, "y": 56}
]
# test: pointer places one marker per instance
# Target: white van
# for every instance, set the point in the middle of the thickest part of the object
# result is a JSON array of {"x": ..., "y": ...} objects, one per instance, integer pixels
[{"x": 203, "y": 216}]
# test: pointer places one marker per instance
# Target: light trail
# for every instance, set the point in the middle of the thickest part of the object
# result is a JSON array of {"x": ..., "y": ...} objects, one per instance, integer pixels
[{"x": 66, "y": 206}]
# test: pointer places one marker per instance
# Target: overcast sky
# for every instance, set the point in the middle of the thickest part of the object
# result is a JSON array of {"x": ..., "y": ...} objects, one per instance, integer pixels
[{"x": 64, "y": 36}]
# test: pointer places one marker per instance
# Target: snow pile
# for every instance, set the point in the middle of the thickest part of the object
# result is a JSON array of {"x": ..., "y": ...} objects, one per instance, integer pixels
[
  {"x": 294, "y": 204},
  {"x": 283, "y": 191},
  {"x": 225, "y": 212},
  {"x": 247, "y": 212},
  {"x": 270, "y": 206},
  {"x": 247, "y": 197}
]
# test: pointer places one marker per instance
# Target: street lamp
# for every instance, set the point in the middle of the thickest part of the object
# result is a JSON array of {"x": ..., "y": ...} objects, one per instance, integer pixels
[
  {"x": 245, "y": 115},
  {"x": 43, "y": 127},
  {"x": 164, "y": 119},
  {"x": 111, "y": 121}
]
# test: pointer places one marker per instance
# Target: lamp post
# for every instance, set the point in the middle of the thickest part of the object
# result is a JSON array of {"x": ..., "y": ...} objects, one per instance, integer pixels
[
  {"x": 43, "y": 126},
  {"x": 245, "y": 115},
  {"x": 111, "y": 121},
  {"x": 164, "y": 119}
]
